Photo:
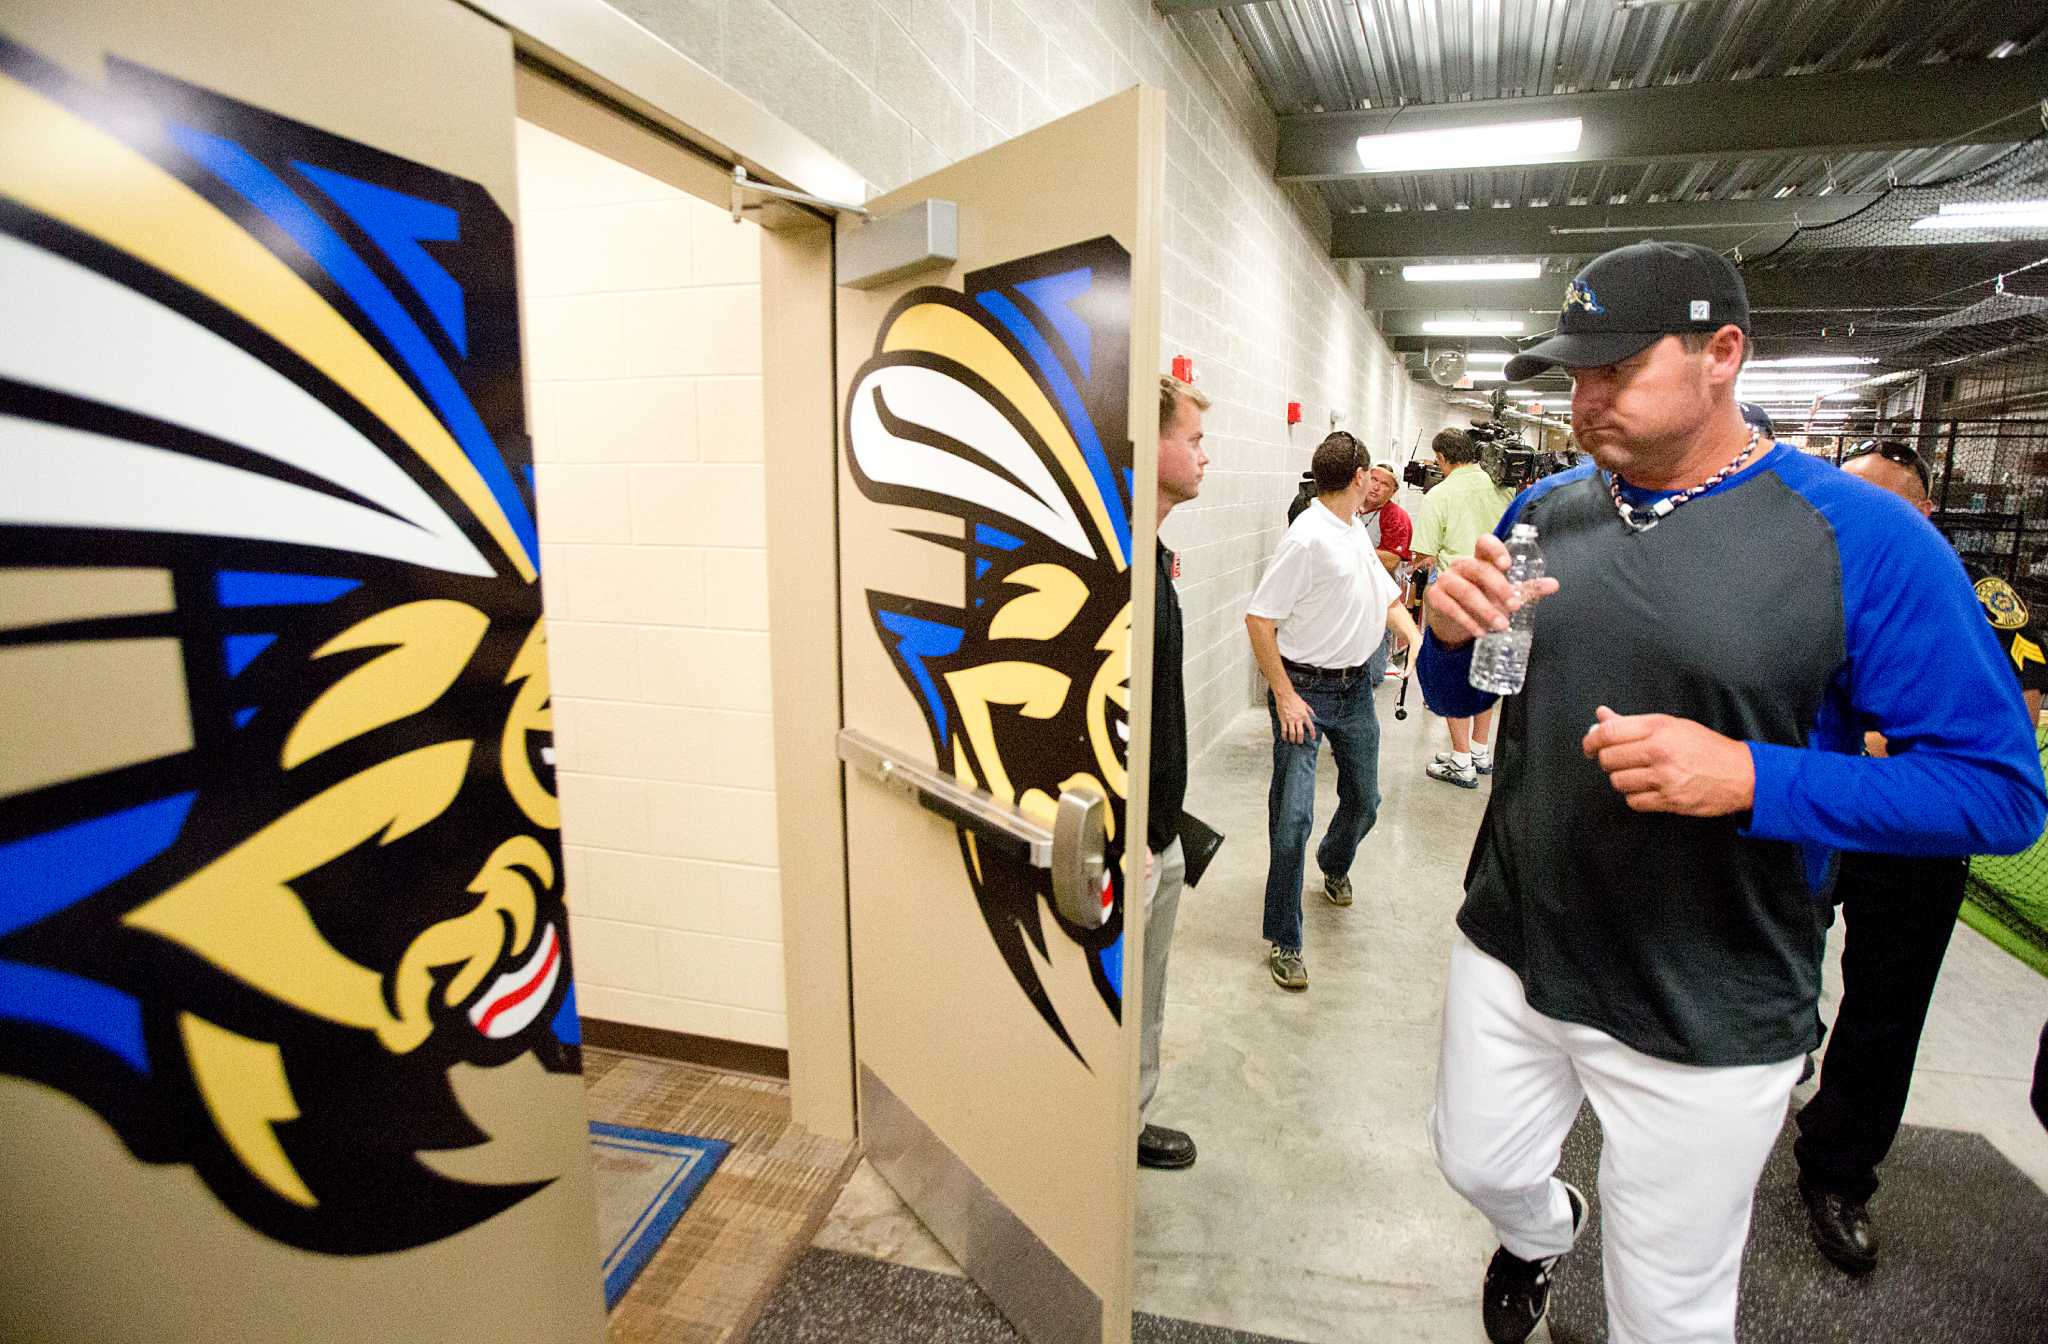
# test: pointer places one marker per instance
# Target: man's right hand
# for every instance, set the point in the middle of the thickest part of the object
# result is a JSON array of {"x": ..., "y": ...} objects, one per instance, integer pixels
[
  {"x": 1297, "y": 720},
  {"x": 1472, "y": 595}
]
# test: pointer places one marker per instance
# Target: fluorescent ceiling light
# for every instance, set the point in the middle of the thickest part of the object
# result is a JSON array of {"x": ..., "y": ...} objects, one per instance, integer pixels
[
  {"x": 1809, "y": 362},
  {"x": 1988, "y": 215},
  {"x": 1493, "y": 357},
  {"x": 1992, "y": 207},
  {"x": 1473, "y": 270},
  {"x": 1466, "y": 326},
  {"x": 1469, "y": 146}
]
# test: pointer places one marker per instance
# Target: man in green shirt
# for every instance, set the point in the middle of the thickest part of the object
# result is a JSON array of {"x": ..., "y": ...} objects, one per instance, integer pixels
[{"x": 1461, "y": 508}]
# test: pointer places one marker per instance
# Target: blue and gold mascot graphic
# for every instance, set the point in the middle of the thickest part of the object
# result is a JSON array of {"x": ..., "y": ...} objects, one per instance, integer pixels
[
  {"x": 1006, "y": 407},
  {"x": 279, "y": 847}
]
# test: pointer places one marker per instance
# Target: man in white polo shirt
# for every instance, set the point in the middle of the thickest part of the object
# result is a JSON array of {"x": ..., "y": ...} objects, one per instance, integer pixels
[{"x": 1317, "y": 623}]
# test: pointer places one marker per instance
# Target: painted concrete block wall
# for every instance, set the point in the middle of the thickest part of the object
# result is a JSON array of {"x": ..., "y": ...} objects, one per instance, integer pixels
[
  {"x": 644, "y": 350},
  {"x": 897, "y": 88}
]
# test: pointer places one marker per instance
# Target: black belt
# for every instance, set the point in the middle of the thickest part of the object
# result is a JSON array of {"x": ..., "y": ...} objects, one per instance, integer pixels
[{"x": 1293, "y": 666}]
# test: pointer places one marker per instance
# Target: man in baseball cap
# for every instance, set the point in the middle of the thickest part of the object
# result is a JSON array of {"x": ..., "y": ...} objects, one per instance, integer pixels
[
  {"x": 1627, "y": 300},
  {"x": 1723, "y": 617}
]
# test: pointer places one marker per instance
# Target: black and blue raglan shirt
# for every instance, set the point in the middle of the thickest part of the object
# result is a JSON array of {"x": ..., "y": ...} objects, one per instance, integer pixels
[{"x": 1791, "y": 607}]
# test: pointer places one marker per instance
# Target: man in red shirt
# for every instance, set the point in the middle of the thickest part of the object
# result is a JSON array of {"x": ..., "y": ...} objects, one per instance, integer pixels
[{"x": 1387, "y": 522}]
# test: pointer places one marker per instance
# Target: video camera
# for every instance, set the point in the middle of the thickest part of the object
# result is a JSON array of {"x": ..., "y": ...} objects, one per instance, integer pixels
[
  {"x": 1503, "y": 456},
  {"x": 1422, "y": 475}
]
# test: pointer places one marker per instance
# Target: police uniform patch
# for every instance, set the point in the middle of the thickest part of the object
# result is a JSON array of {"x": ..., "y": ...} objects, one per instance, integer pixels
[{"x": 2001, "y": 604}]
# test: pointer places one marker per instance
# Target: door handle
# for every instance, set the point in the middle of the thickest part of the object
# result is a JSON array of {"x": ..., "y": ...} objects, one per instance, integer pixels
[
  {"x": 1080, "y": 854},
  {"x": 1074, "y": 850}
]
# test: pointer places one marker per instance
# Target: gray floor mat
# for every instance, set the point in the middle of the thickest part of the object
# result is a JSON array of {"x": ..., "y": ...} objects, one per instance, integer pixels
[
  {"x": 830, "y": 1297},
  {"x": 1963, "y": 1252}
]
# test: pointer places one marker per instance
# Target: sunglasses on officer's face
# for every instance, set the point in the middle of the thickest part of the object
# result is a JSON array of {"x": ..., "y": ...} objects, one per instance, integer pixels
[{"x": 1891, "y": 450}]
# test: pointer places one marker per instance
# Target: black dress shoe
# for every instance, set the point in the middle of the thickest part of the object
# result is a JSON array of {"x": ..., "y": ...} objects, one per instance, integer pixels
[
  {"x": 1841, "y": 1228},
  {"x": 1165, "y": 1148}
]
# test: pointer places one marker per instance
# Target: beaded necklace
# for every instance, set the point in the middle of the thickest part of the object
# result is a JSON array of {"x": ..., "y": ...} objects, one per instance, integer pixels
[{"x": 1648, "y": 518}]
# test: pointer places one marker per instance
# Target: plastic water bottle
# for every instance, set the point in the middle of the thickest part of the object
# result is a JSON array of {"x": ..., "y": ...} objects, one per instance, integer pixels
[{"x": 1500, "y": 659}]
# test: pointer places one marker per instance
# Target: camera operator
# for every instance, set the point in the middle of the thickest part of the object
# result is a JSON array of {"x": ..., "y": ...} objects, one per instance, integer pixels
[{"x": 1460, "y": 509}]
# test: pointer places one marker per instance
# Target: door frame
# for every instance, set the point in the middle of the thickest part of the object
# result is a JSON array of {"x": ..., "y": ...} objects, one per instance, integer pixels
[{"x": 588, "y": 72}]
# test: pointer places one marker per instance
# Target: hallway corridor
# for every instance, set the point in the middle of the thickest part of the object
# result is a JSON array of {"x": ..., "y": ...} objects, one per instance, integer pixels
[{"x": 1315, "y": 1212}]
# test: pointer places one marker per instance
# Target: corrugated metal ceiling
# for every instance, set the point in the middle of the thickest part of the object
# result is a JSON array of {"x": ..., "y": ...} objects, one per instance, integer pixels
[{"x": 1341, "y": 55}]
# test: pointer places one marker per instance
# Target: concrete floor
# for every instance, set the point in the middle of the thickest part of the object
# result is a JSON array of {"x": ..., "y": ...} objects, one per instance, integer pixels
[{"x": 1315, "y": 1212}]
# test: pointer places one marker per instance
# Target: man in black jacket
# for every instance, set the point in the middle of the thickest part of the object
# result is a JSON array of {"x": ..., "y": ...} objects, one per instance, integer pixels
[
  {"x": 1898, "y": 911},
  {"x": 1181, "y": 461}
]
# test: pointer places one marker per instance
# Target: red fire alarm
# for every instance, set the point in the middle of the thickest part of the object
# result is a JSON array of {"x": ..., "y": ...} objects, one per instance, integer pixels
[
  {"x": 1293, "y": 412},
  {"x": 1184, "y": 368}
]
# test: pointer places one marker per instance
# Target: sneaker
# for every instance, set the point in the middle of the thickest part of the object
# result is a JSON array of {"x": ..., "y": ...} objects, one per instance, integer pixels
[
  {"x": 1517, "y": 1291},
  {"x": 1482, "y": 765},
  {"x": 1450, "y": 772},
  {"x": 1336, "y": 890},
  {"x": 1289, "y": 970}
]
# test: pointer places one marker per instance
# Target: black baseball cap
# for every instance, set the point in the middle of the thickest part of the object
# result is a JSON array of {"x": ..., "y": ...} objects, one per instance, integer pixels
[{"x": 1626, "y": 300}]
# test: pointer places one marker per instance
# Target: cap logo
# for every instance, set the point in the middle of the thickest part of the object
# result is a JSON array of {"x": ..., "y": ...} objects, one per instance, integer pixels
[
  {"x": 1581, "y": 295},
  {"x": 1700, "y": 309}
]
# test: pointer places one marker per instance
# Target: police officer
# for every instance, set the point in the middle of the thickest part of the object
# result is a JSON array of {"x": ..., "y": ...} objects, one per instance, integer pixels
[{"x": 1899, "y": 911}]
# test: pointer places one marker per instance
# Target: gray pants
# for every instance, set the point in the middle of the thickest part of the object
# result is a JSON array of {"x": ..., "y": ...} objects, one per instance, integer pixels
[{"x": 1162, "y": 903}]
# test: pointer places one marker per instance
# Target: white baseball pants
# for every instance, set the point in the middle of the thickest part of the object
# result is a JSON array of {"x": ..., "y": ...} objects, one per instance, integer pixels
[{"x": 1682, "y": 1148}]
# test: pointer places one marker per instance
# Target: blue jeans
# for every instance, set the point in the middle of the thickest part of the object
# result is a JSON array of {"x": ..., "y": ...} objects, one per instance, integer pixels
[{"x": 1346, "y": 717}]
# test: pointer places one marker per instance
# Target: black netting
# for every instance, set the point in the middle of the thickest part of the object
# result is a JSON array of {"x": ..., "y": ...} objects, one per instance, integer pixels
[
  {"x": 1943, "y": 309},
  {"x": 1937, "y": 335}
]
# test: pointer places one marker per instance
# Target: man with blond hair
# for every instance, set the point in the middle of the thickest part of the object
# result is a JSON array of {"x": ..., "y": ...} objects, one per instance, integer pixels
[{"x": 1181, "y": 463}]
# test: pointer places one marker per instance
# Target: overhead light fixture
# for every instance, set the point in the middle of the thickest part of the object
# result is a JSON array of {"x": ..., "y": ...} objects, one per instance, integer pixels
[
  {"x": 2003, "y": 50},
  {"x": 1472, "y": 270},
  {"x": 1493, "y": 357},
  {"x": 1809, "y": 362},
  {"x": 1470, "y": 146},
  {"x": 1467, "y": 326},
  {"x": 1988, "y": 215}
]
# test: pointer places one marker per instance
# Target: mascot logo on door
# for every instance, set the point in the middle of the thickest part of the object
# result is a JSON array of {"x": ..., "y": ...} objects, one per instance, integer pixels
[
  {"x": 279, "y": 859},
  {"x": 1005, "y": 406}
]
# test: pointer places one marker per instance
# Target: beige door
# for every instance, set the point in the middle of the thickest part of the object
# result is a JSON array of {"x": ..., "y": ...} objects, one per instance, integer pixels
[
  {"x": 287, "y": 1048},
  {"x": 996, "y": 541}
]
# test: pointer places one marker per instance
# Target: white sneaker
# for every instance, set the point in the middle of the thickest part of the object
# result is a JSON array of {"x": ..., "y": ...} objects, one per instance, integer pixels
[
  {"x": 1480, "y": 764},
  {"x": 1450, "y": 772}
]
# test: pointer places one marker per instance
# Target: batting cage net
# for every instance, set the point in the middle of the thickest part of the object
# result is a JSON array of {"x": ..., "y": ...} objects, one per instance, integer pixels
[{"x": 1931, "y": 303}]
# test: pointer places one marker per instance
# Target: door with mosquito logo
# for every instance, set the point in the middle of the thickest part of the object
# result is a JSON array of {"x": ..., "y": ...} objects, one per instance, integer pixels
[
  {"x": 288, "y": 1049},
  {"x": 995, "y": 550}
]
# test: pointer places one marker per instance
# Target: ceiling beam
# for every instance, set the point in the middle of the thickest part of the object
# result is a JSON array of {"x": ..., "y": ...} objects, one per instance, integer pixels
[
  {"x": 1774, "y": 334},
  {"x": 1851, "y": 112},
  {"x": 1917, "y": 281},
  {"x": 1844, "y": 305},
  {"x": 1757, "y": 226},
  {"x": 1172, "y": 7}
]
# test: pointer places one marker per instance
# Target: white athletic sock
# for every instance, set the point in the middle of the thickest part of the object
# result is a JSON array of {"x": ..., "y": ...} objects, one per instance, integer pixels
[
  {"x": 1462, "y": 759},
  {"x": 1481, "y": 751}
]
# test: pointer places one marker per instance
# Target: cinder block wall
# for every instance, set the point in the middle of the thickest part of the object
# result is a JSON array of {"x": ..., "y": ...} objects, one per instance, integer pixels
[
  {"x": 897, "y": 88},
  {"x": 643, "y": 306}
]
